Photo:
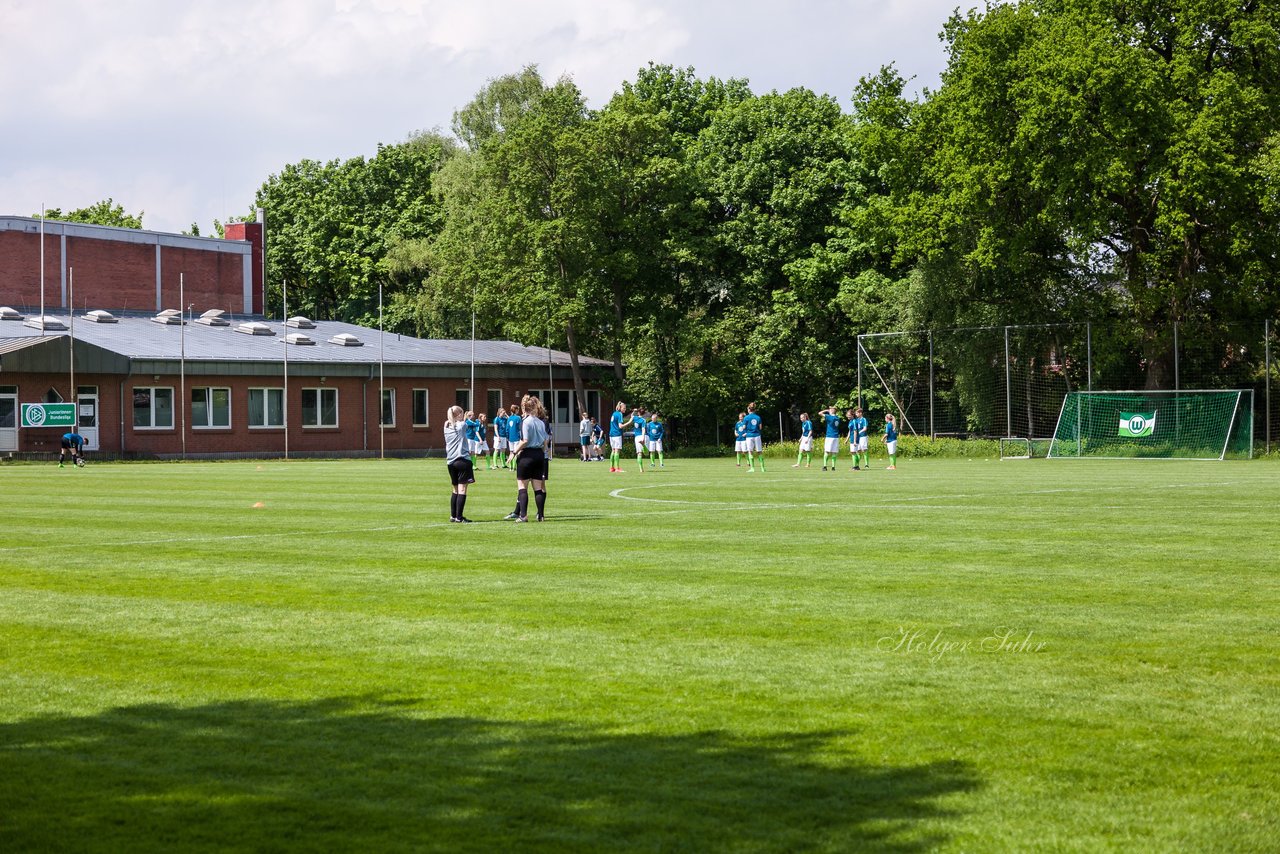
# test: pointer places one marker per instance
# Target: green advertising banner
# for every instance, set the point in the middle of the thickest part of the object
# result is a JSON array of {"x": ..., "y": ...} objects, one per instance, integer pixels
[{"x": 48, "y": 415}]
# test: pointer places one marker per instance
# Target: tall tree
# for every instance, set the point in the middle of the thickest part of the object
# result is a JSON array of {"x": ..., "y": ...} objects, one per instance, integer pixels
[
  {"x": 105, "y": 212},
  {"x": 774, "y": 167},
  {"x": 1104, "y": 148},
  {"x": 331, "y": 226}
]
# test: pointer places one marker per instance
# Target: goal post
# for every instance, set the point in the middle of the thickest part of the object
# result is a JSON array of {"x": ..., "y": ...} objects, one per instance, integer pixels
[{"x": 1185, "y": 425}]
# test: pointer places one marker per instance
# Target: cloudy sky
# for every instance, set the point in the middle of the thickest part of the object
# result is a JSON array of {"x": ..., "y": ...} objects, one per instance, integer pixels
[{"x": 182, "y": 108}]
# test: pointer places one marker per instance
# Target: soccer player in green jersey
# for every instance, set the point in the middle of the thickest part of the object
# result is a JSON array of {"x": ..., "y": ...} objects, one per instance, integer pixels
[
  {"x": 740, "y": 437},
  {"x": 831, "y": 443},
  {"x": 858, "y": 440},
  {"x": 891, "y": 440},
  {"x": 806, "y": 441}
]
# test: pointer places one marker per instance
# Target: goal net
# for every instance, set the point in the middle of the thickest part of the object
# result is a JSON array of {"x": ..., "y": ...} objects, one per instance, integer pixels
[{"x": 1186, "y": 425}]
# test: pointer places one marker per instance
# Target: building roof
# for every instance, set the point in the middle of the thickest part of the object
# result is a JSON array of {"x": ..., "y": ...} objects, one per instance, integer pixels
[
  {"x": 140, "y": 338},
  {"x": 53, "y": 227}
]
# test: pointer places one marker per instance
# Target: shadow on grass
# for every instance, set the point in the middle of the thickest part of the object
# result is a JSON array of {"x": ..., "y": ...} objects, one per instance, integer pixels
[{"x": 356, "y": 774}]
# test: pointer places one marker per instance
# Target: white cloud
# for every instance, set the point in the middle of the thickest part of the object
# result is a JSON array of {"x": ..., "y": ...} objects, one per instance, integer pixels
[{"x": 183, "y": 109}]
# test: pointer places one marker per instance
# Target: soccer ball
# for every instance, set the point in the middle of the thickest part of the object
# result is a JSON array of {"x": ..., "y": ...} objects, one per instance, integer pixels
[{"x": 80, "y": 462}]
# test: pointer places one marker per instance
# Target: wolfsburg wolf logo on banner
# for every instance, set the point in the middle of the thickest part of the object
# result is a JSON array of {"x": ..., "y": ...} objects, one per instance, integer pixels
[{"x": 1137, "y": 424}]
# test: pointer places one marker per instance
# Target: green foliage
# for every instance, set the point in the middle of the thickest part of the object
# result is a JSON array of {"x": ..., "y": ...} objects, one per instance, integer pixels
[
  {"x": 105, "y": 212},
  {"x": 1084, "y": 158},
  {"x": 1080, "y": 161},
  {"x": 331, "y": 225}
]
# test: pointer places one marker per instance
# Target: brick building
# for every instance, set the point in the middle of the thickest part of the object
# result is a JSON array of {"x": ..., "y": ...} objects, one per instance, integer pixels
[{"x": 154, "y": 378}]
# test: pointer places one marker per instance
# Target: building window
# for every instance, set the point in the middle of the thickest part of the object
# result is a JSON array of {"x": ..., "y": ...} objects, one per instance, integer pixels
[
  {"x": 210, "y": 407},
  {"x": 556, "y": 403},
  {"x": 266, "y": 407},
  {"x": 420, "y": 408},
  {"x": 319, "y": 407},
  {"x": 152, "y": 407},
  {"x": 462, "y": 397},
  {"x": 388, "y": 407},
  {"x": 495, "y": 401}
]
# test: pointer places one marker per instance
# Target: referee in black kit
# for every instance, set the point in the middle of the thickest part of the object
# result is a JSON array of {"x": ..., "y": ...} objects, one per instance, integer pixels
[{"x": 531, "y": 458}]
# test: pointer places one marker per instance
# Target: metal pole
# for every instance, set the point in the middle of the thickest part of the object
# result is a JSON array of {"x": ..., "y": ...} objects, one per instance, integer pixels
[
  {"x": 382, "y": 428},
  {"x": 859, "y": 371},
  {"x": 182, "y": 362},
  {"x": 780, "y": 436},
  {"x": 1266, "y": 327},
  {"x": 472, "y": 392},
  {"x": 75, "y": 398},
  {"x": 42, "y": 268},
  {"x": 1008, "y": 391},
  {"x": 932, "y": 434},
  {"x": 1088, "y": 344},
  {"x": 551, "y": 384},
  {"x": 284, "y": 308},
  {"x": 1176, "y": 378}
]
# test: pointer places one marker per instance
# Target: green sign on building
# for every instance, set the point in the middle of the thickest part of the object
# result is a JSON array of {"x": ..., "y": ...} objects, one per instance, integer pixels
[{"x": 48, "y": 415}]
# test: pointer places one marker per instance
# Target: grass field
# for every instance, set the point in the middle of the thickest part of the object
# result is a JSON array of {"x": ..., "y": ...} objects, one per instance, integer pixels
[{"x": 960, "y": 655}]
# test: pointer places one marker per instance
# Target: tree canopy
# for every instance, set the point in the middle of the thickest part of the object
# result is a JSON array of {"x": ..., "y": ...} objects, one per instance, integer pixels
[
  {"x": 1080, "y": 160},
  {"x": 106, "y": 212}
]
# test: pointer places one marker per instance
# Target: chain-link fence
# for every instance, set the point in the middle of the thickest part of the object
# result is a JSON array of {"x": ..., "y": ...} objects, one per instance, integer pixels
[{"x": 1004, "y": 381}]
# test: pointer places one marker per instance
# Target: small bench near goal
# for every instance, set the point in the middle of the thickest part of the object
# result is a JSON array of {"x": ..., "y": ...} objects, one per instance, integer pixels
[
  {"x": 1015, "y": 448},
  {"x": 1021, "y": 448}
]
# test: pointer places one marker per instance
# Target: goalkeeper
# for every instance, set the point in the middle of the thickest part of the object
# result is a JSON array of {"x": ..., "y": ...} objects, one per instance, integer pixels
[{"x": 74, "y": 443}]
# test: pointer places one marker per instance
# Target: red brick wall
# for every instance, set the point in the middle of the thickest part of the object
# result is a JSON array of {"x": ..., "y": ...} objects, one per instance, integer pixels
[
  {"x": 118, "y": 275},
  {"x": 20, "y": 269},
  {"x": 112, "y": 275},
  {"x": 208, "y": 279},
  {"x": 357, "y": 414}
]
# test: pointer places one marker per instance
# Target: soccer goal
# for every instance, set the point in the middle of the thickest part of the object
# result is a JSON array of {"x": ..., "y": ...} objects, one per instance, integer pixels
[
  {"x": 1181, "y": 425},
  {"x": 1022, "y": 448}
]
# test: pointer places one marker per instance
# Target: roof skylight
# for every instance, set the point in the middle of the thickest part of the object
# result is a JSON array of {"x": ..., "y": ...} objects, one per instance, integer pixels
[
  {"x": 213, "y": 317},
  {"x": 45, "y": 323},
  {"x": 346, "y": 339}
]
